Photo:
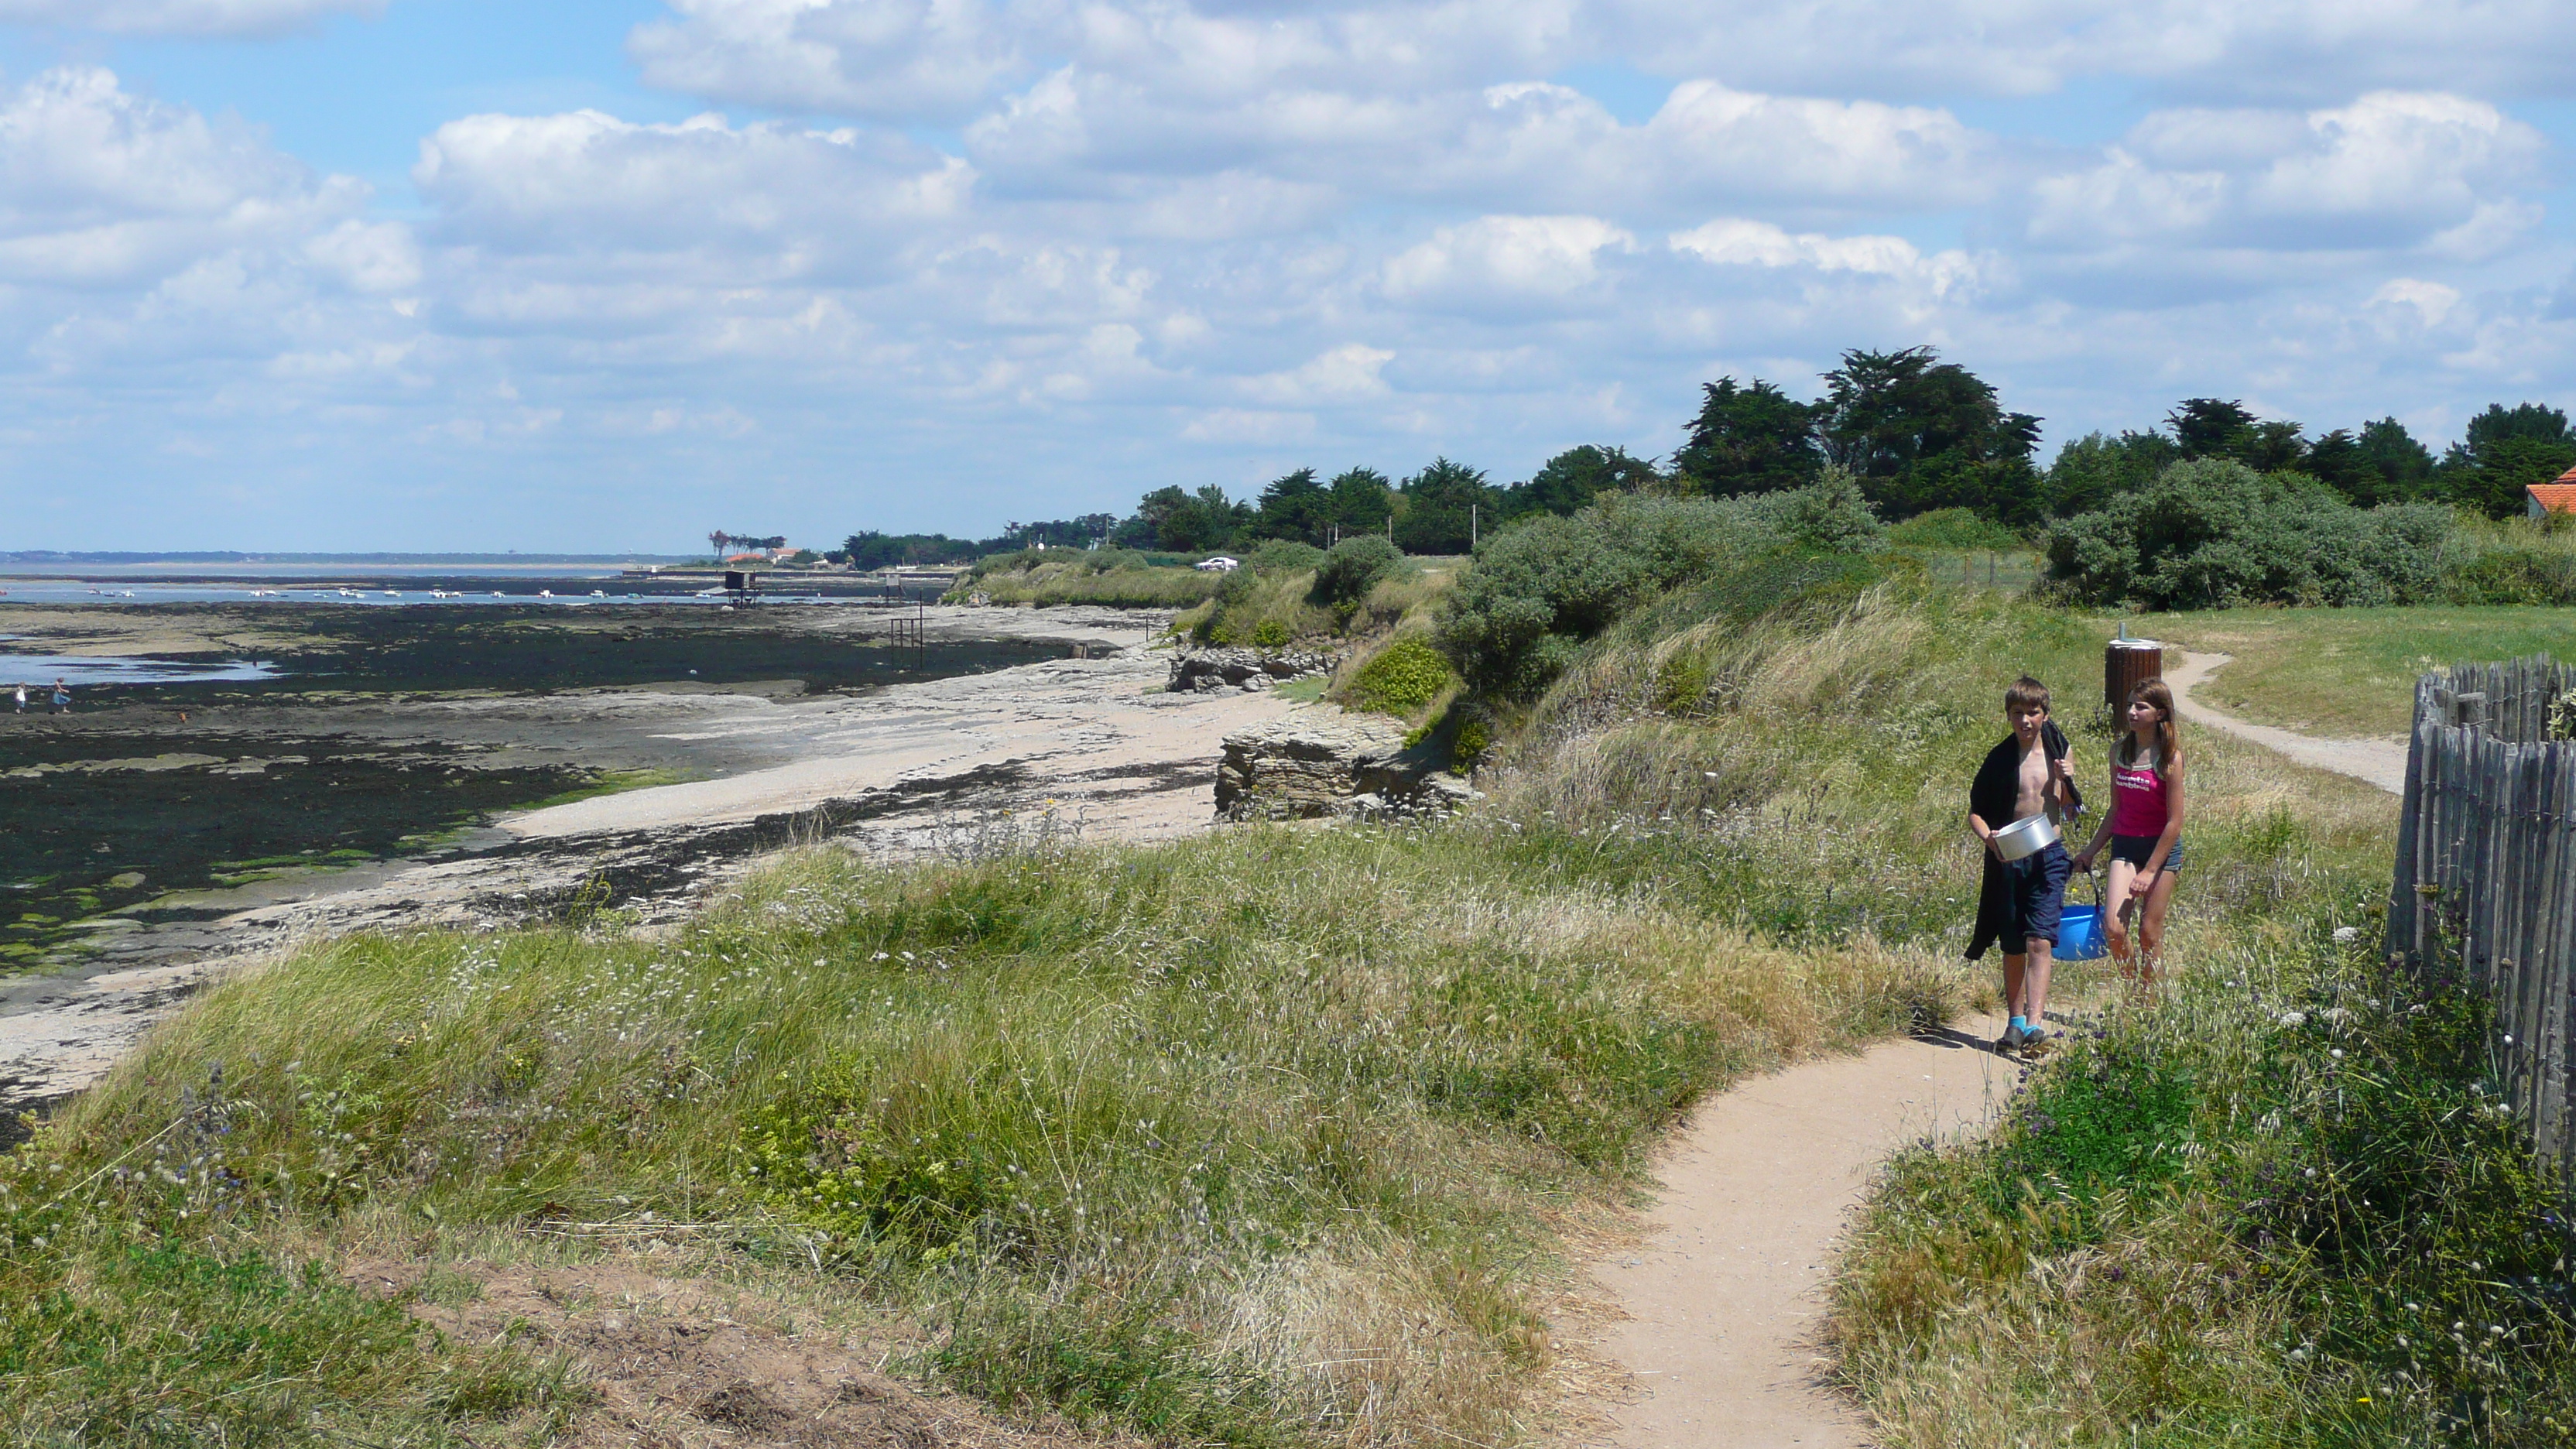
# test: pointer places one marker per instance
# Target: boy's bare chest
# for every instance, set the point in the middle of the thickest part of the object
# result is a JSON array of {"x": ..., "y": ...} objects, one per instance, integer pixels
[{"x": 2030, "y": 783}]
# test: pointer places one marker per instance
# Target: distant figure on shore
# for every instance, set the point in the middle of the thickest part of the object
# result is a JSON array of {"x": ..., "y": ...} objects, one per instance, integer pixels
[
  {"x": 22, "y": 696},
  {"x": 62, "y": 697}
]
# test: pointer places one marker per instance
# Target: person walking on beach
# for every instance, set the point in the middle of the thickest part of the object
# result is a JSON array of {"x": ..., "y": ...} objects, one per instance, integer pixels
[
  {"x": 2026, "y": 774},
  {"x": 2144, "y": 833},
  {"x": 22, "y": 696},
  {"x": 62, "y": 697}
]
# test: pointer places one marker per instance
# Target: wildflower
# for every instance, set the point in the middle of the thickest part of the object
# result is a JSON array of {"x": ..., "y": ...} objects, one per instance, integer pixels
[{"x": 2294, "y": 1018}]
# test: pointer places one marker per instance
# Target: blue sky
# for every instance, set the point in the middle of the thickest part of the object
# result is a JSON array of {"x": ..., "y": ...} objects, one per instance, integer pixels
[{"x": 605, "y": 274}]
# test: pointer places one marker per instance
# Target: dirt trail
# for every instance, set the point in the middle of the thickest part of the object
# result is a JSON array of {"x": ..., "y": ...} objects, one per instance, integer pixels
[
  {"x": 2378, "y": 762},
  {"x": 1724, "y": 1298}
]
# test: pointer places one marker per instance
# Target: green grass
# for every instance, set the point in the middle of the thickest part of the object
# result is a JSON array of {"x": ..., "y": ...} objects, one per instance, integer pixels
[
  {"x": 2351, "y": 672},
  {"x": 2285, "y": 1209},
  {"x": 1127, "y": 584},
  {"x": 1191, "y": 1119}
]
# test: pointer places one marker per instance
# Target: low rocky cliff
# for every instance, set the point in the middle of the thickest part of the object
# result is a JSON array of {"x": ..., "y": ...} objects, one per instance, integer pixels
[
  {"x": 1320, "y": 762},
  {"x": 1201, "y": 671}
]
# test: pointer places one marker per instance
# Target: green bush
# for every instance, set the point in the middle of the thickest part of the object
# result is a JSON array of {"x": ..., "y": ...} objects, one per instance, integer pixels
[
  {"x": 1543, "y": 587},
  {"x": 1955, "y": 528},
  {"x": 1401, "y": 679},
  {"x": 1270, "y": 634},
  {"x": 2210, "y": 533},
  {"x": 1354, "y": 566},
  {"x": 1287, "y": 556}
]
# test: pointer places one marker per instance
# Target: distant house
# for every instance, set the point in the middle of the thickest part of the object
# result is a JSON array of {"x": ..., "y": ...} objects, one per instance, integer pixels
[{"x": 2557, "y": 497}]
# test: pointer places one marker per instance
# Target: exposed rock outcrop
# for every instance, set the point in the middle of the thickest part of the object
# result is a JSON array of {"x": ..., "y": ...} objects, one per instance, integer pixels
[
  {"x": 1202, "y": 671},
  {"x": 1319, "y": 763}
]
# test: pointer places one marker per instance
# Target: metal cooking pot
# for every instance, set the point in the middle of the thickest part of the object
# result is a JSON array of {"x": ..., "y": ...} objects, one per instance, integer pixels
[{"x": 2026, "y": 837}]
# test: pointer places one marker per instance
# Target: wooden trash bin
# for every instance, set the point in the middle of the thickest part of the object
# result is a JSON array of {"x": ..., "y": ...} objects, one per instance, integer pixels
[{"x": 2126, "y": 664}]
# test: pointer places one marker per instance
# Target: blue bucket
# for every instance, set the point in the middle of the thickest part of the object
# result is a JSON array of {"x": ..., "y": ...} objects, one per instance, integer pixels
[{"x": 2079, "y": 930}]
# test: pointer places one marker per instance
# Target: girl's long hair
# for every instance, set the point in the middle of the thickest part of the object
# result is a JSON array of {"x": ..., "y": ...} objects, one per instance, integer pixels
[{"x": 2168, "y": 740}]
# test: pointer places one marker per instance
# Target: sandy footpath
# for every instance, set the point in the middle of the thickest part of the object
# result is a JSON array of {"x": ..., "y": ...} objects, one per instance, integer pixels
[
  {"x": 1724, "y": 1299},
  {"x": 1091, "y": 745}
]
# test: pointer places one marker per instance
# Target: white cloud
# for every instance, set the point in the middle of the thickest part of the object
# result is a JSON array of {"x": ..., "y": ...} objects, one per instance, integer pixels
[
  {"x": 882, "y": 59},
  {"x": 1016, "y": 256},
  {"x": 1348, "y": 373},
  {"x": 101, "y": 188},
  {"x": 772, "y": 199},
  {"x": 183, "y": 17},
  {"x": 2432, "y": 302},
  {"x": 2390, "y": 169},
  {"x": 1509, "y": 262}
]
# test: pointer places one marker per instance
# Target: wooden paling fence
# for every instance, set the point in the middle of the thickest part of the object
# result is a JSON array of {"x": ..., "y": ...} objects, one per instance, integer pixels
[{"x": 2486, "y": 856}]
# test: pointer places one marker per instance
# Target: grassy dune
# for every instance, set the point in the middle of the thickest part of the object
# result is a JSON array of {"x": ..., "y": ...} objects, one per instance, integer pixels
[{"x": 1273, "y": 1137}]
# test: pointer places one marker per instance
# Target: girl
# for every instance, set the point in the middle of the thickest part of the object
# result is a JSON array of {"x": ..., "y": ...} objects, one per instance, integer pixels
[{"x": 2144, "y": 831}]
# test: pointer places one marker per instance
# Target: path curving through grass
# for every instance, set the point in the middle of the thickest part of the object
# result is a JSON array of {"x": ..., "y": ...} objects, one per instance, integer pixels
[
  {"x": 2377, "y": 762},
  {"x": 1722, "y": 1301}
]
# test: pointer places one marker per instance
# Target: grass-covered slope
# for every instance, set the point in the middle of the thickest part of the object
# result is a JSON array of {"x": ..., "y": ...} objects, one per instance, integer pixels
[{"x": 1146, "y": 1133}]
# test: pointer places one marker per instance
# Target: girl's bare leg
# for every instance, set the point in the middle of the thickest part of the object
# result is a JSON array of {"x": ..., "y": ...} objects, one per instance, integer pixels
[
  {"x": 2118, "y": 910},
  {"x": 2151, "y": 927}
]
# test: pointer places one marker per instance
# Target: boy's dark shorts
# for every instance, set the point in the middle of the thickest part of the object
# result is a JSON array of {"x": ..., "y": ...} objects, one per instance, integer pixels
[{"x": 2038, "y": 886}]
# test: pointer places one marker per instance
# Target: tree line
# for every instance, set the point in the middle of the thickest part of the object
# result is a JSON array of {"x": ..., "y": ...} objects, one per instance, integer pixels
[{"x": 1918, "y": 433}]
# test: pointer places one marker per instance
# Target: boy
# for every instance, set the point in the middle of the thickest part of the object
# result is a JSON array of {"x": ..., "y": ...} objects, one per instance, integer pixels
[{"x": 2024, "y": 775}]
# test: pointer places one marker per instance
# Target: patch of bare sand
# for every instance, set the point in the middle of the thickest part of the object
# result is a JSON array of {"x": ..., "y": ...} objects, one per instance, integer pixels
[
  {"x": 1097, "y": 738},
  {"x": 678, "y": 1363}
]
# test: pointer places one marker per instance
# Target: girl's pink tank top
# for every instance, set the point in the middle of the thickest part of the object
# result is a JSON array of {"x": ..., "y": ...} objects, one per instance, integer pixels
[{"x": 2137, "y": 800}]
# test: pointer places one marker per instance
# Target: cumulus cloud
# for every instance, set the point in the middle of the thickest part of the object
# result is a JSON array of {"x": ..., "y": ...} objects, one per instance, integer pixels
[
  {"x": 1504, "y": 263},
  {"x": 2390, "y": 169},
  {"x": 101, "y": 188},
  {"x": 945, "y": 57},
  {"x": 590, "y": 183},
  {"x": 183, "y": 17}
]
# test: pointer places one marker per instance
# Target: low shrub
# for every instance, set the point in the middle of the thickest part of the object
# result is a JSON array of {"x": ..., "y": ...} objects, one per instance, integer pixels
[
  {"x": 1354, "y": 566},
  {"x": 1956, "y": 529},
  {"x": 2516, "y": 561},
  {"x": 1287, "y": 556},
  {"x": 1401, "y": 679},
  {"x": 2211, "y": 532},
  {"x": 2289, "y": 1208},
  {"x": 1542, "y": 588},
  {"x": 1114, "y": 578}
]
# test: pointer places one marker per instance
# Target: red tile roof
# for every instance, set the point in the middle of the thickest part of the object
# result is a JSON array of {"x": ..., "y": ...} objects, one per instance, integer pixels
[{"x": 2558, "y": 497}]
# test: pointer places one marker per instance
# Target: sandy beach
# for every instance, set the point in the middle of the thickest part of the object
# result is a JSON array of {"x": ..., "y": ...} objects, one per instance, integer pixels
[{"x": 1091, "y": 745}]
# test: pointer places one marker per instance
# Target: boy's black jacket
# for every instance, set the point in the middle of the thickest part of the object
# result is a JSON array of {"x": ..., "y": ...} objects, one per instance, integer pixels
[{"x": 1990, "y": 798}]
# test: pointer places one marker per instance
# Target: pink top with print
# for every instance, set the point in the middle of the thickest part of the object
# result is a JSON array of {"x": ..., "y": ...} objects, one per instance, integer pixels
[{"x": 2137, "y": 800}]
